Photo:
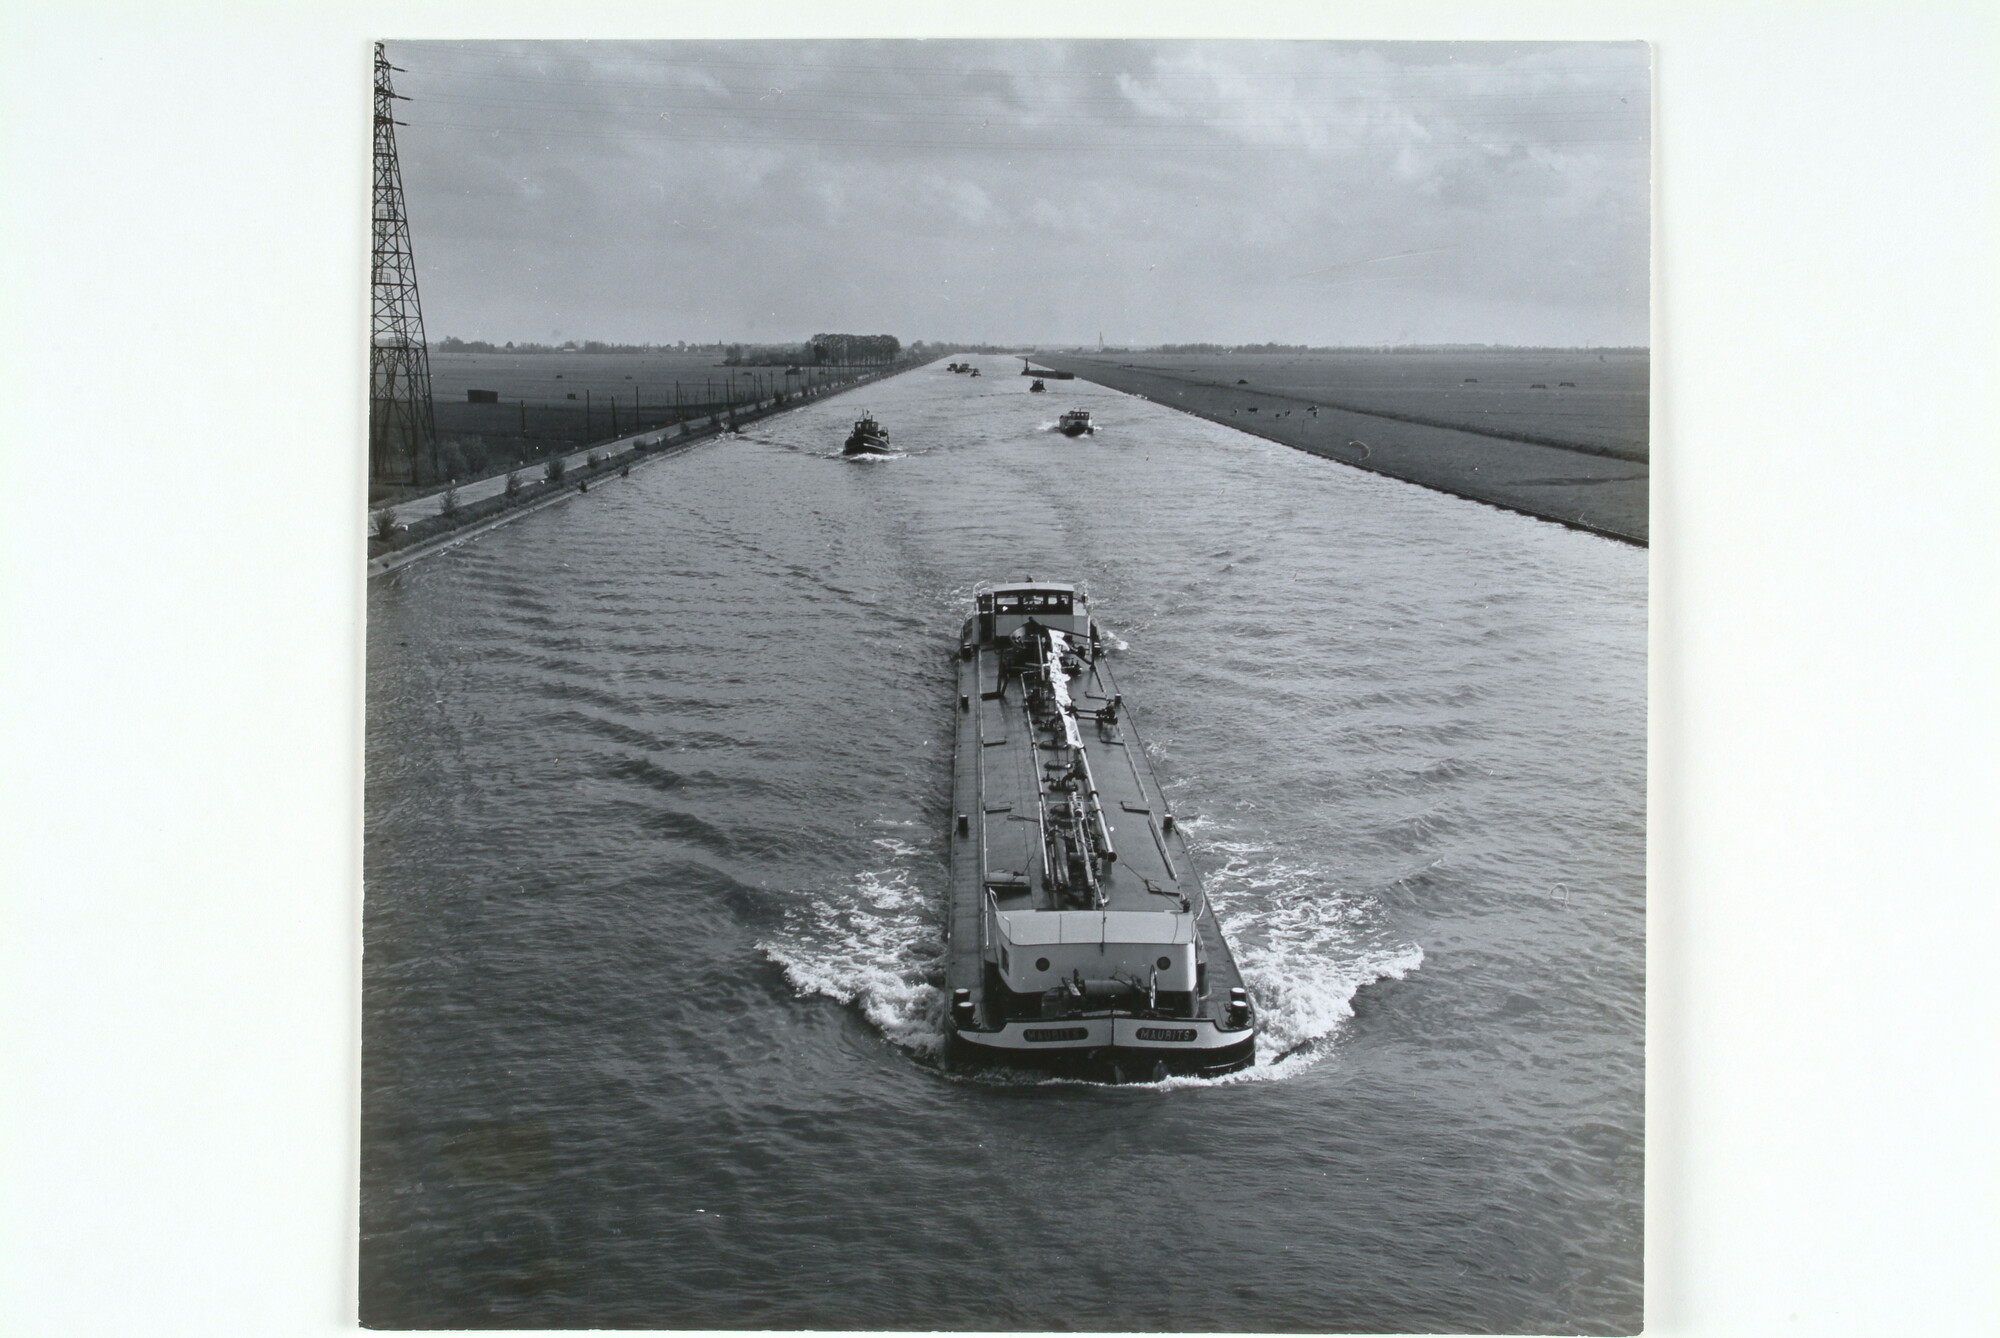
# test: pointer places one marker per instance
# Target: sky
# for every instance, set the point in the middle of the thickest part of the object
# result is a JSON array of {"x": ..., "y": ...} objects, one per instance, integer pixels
[{"x": 1030, "y": 192}]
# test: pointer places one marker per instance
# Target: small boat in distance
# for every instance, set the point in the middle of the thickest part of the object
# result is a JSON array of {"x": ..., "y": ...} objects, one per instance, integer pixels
[
  {"x": 1037, "y": 387},
  {"x": 957, "y": 367},
  {"x": 975, "y": 371},
  {"x": 1076, "y": 423},
  {"x": 868, "y": 438}
]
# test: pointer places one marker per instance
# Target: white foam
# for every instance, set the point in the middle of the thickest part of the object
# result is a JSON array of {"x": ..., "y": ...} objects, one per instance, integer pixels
[
  {"x": 873, "y": 949},
  {"x": 1305, "y": 948}
]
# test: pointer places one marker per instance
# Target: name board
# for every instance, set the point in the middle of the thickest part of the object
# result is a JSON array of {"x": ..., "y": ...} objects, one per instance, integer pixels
[
  {"x": 1165, "y": 1034},
  {"x": 1060, "y": 1033}
]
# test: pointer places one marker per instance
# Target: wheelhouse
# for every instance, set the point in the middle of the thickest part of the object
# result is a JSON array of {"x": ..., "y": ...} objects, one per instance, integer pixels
[{"x": 1005, "y": 610}]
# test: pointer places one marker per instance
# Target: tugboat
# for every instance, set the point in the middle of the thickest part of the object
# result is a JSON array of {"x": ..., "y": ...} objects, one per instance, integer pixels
[
  {"x": 868, "y": 438},
  {"x": 1076, "y": 423},
  {"x": 973, "y": 370},
  {"x": 1078, "y": 936},
  {"x": 1037, "y": 388}
]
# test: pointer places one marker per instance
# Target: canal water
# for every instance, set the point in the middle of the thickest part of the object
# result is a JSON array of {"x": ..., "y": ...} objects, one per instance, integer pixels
[{"x": 657, "y": 791}]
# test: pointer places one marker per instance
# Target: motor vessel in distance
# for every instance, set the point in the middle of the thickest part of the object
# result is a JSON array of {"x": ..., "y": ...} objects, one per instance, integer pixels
[
  {"x": 1078, "y": 936},
  {"x": 1038, "y": 388},
  {"x": 868, "y": 438},
  {"x": 1076, "y": 423}
]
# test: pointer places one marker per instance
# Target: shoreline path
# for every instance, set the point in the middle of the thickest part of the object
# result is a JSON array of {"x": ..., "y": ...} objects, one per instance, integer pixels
[{"x": 414, "y": 509}]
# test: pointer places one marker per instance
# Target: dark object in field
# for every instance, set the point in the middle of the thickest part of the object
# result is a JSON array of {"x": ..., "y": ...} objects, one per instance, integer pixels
[
  {"x": 482, "y": 397},
  {"x": 1539, "y": 385},
  {"x": 1470, "y": 381},
  {"x": 571, "y": 395},
  {"x": 1241, "y": 382},
  {"x": 1570, "y": 384}
]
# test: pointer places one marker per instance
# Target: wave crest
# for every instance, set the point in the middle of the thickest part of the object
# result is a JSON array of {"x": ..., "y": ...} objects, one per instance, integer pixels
[
  {"x": 1305, "y": 950},
  {"x": 873, "y": 950}
]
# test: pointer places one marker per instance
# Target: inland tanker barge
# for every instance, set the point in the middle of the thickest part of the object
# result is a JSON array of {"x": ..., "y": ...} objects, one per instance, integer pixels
[{"x": 1078, "y": 935}]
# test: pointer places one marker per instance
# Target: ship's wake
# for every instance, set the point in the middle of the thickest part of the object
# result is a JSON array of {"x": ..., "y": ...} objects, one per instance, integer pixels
[
  {"x": 1305, "y": 949},
  {"x": 874, "y": 946}
]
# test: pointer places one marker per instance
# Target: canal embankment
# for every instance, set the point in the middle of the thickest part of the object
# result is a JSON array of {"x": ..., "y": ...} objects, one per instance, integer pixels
[
  {"x": 402, "y": 532},
  {"x": 1589, "y": 485}
]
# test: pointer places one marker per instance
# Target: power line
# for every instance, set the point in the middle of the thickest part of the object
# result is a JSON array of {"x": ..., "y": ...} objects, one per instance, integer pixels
[{"x": 402, "y": 428}]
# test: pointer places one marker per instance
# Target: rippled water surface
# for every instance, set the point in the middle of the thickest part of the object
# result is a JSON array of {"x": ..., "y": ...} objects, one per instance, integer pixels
[{"x": 656, "y": 841}]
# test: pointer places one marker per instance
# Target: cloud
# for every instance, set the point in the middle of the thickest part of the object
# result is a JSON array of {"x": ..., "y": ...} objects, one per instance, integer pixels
[{"x": 645, "y": 190}]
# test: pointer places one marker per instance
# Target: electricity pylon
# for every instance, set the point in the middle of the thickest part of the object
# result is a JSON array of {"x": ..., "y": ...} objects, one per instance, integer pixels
[{"x": 402, "y": 427}]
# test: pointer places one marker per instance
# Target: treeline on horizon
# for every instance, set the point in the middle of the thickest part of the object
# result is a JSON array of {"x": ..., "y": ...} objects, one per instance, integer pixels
[
  {"x": 826, "y": 349},
  {"x": 820, "y": 350}
]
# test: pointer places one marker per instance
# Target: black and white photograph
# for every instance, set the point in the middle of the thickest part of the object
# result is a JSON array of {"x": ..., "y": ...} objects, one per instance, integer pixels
[
  {"x": 1006, "y": 686},
  {"x": 1084, "y": 668}
]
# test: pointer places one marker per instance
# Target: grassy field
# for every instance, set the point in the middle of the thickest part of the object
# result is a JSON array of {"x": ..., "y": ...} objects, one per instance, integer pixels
[
  {"x": 1497, "y": 427},
  {"x": 1585, "y": 398},
  {"x": 551, "y": 378},
  {"x": 561, "y": 401}
]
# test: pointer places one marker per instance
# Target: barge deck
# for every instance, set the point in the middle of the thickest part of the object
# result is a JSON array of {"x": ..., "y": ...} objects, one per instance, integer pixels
[{"x": 1079, "y": 935}]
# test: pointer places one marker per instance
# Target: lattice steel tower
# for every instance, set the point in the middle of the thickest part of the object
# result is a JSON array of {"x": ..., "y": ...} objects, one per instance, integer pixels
[{"x": 402, "y": 427}]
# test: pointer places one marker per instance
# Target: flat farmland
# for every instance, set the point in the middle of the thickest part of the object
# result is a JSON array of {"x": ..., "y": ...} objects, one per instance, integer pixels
[
  {"x": 1586, "y": 398},
  {"x": 1560, "y": 435},
  {"x": 549, "y": 378}
]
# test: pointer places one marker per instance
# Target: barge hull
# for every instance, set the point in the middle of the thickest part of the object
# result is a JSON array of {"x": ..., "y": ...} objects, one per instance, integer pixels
[{"x": 1067, "y": 862}]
